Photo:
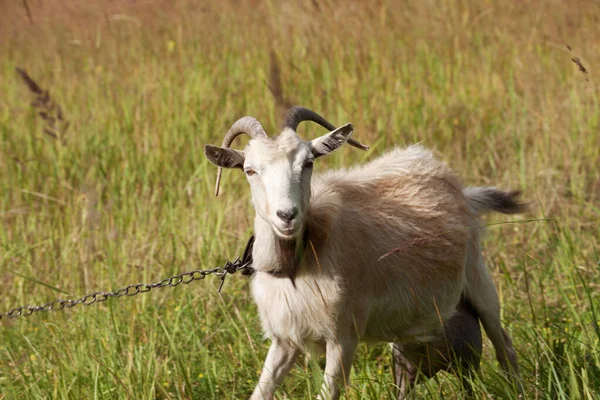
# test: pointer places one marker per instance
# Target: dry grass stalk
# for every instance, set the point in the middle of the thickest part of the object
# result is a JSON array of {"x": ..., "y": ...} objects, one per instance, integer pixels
[
  {"x": 408, "y": 245},
  {"x": 580, "y": 65},
  {"x": 55, "y": 123},
  {"x": 28, "y": 11},
  {"x": 275, "y": 86}
]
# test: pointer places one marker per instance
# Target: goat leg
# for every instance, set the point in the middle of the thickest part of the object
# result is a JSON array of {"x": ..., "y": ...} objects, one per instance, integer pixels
[
  {"x": 405, "y": 372},
  {"x": 339, "y": 354},
  {"x": 280, "y": 359},
  {"x": 459, "y": 347}
]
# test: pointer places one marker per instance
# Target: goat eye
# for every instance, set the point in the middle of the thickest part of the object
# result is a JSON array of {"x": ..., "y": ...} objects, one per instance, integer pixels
[
  {"x": 250, "y": 171},
  {"x": 308, "y": 164}
]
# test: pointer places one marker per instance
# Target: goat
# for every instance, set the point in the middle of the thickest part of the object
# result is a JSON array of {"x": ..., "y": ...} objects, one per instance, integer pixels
[{"x": 321, "y": 280}]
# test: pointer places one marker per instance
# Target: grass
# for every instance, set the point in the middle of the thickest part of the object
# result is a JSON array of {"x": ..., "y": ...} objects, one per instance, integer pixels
[{"x": 117, "y": 190}]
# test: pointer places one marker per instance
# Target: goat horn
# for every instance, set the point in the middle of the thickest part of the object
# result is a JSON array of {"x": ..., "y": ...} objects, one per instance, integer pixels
[
  {"x": 245, "y": 125},
  {"x": 297, "y": 114}
]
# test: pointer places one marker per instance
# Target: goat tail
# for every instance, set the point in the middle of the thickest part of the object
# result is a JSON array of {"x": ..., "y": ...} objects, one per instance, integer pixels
[{"x": 482, "y": 200}]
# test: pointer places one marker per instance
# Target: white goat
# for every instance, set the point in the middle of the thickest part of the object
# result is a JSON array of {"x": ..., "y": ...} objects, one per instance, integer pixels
[{"x": 321, "y": 279}]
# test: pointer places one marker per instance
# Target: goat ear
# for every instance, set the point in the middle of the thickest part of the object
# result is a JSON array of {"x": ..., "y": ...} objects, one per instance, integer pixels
[
  {"x": 327, "y": 143},
  {"x": 224, "y": 157}
]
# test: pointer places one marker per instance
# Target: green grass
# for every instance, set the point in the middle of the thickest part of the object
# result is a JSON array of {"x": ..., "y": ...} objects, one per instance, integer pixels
[{"x": 125, "y": 195}]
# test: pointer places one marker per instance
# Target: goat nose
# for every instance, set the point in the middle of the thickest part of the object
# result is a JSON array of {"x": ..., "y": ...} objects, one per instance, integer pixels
[{"x": 287, "y": 215}]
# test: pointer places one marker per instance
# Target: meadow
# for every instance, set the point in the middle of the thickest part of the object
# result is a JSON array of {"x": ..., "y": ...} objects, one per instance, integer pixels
[{"x": 104, "y": 183}]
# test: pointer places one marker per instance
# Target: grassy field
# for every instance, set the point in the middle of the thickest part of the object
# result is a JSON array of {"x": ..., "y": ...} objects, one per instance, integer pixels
[{"x": 117, "y": 190}]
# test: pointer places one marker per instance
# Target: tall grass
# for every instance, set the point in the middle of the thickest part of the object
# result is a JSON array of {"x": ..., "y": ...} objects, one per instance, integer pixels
[{"x": 121, "y": 193}]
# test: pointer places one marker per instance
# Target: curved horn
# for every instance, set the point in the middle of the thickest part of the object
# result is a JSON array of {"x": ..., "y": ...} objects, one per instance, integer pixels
[
  {"x": 245, "y": 125},
  {"x": 297, "y": 114},
  {"x": 248, "y": 125}
]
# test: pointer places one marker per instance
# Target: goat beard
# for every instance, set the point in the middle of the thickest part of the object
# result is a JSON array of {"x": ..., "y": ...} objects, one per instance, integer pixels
[{"x": 290, "y": 253}]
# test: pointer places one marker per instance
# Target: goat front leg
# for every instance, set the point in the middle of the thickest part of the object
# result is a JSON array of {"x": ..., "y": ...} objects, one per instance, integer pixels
[
  {"x": 280, "y": 359},
  {"x": 339, "y": 354}
]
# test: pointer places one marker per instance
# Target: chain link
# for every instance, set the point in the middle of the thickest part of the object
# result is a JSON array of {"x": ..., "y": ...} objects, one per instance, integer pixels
[{"x": 230, "y": 267}]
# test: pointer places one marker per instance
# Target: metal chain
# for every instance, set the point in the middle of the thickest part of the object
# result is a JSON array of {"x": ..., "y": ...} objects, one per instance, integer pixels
[{"x": 244, "y": 265}]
